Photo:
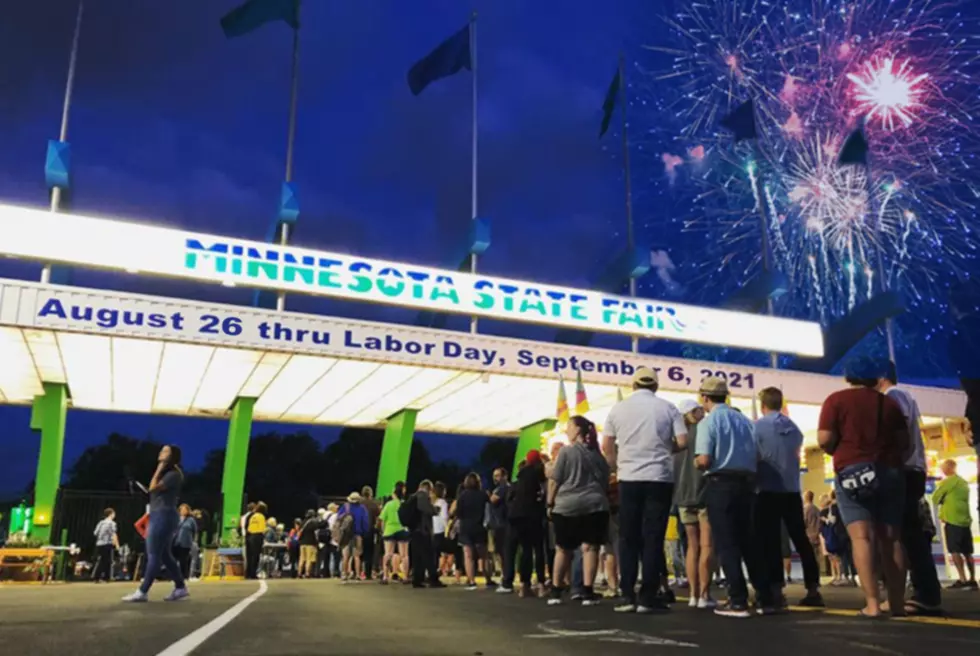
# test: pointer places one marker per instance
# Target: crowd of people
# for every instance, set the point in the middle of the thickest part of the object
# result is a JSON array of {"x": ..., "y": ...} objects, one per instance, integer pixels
[{"x": 697, "y": 488}]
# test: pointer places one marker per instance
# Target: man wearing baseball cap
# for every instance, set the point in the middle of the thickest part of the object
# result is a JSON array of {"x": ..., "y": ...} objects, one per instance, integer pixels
[
  {"x": 642, "y": 433},
  {"x": 727, "y": 452}
]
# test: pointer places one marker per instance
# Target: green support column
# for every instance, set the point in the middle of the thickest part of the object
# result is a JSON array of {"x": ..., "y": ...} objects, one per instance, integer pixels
[
  {"x": 48, "y": 416},
  {"x": 236, "y": 460},
  {"x": 530, "y": 439},
  {"x": 395, "y": 451}
]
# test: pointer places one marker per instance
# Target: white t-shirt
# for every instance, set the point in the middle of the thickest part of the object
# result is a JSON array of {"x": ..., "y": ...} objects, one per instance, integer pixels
[
  {"x": 441, "y": 519},
  {"x": 644, "y": 426},
  {"x": 910, "y": 409}
]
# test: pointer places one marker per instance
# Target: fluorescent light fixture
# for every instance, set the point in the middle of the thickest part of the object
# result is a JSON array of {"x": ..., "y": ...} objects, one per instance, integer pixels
[
  {"x": 181, "y": 370},
  {"x": 47, "y": 357},
  {"x": 343, "y": 377},
  {"x": 135, "y": 363},
  {"x": 421, "y": 383},
  {"x": 268, "y": 368},
  {"x": 439, "y": 415},
  {"x": 119, "y": 245},
  {"x": 19, "y": 382},
  {"x": 88, "y": 363},
  {"x": 226, "y": 374},
  {"x": 299, "y": 374},
  {"x": 368, "y": 391}
]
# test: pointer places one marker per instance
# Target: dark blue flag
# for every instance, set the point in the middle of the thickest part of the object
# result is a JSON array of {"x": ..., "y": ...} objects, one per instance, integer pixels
[
  {"x": 741, "y": 122},
  {"x": 609, "y": 104},
  {"x": 450, "y": 57},
  {"x": 256, "y": 13}
]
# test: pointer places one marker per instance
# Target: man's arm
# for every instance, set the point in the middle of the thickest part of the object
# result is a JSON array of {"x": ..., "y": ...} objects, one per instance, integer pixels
[
  {"x": 610, "y": 451},
  {"x": 703, "y": 446},
  {"x": 552, "y": 492}
]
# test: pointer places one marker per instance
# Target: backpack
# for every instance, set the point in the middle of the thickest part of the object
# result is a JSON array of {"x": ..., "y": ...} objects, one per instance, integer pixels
[
  {"x": 343, "y": 530},
  {"x": 409, "y": 514}
]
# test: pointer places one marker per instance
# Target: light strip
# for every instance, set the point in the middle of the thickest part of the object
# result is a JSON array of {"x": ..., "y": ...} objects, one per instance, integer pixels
[
  {"x": 437, "y": 413},
  {"x": 301, "y": 372},
  {"x": 88, "y": 364},
  {"x": 519, "y": 392},
  {"x": 47, "y": 357},
  {"x": 423, "y": 382},
  {"x": 368, "y": 391},
  {"x": 225, "y": 376},
  {"x": 268, "y": 368},
  {"x": 135, "y": 363},
  {"x": 182, "y": 369},
  {"x": 19, "y": 381},
  {"x": 342, "y": 378}
]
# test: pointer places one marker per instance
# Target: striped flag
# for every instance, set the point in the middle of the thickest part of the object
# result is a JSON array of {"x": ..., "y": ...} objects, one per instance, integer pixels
[
  {"x": 562, "y": 412},
  {"x": 581, "y": 400}
]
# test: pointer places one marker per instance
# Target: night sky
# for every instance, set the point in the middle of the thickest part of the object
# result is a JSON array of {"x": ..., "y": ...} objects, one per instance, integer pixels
[{"x": 175, "y": 125}]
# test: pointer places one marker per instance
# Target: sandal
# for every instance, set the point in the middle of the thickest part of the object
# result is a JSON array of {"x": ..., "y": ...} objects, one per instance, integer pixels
[
  {"x": 865, "y": 615},
  {"x": 915, "y": 608}
]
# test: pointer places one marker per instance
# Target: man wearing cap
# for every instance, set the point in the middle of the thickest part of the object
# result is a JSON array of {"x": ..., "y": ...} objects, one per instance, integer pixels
[
  {"x": 778, "y": 503},
  {"x": 926, "y": 591},
  {"x": 642, "y": 433},
  {"x": 726, "y": 451}
]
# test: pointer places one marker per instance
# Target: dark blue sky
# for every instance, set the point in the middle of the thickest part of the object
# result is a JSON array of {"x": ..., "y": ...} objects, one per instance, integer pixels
[{"x": 172, "y": 123}]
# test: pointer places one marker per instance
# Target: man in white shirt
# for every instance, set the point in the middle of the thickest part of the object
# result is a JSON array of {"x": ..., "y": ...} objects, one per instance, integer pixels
[
  {"x": 642, "y": 433},
  {"x": 927, "y": 593}
]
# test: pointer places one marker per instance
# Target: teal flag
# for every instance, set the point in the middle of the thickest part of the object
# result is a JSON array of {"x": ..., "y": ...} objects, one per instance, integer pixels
[
  {"x": 609, "y": 104},
  {"x": 256, "y": 13}
]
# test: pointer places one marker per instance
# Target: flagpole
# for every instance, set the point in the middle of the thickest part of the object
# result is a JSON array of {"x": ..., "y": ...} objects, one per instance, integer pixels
[
  {"x": 65, "y": 111},
  {"x": 473, "y": 166},
  {"x": 630, "y": 241},
  {"x": 290, "y": 145},
  {"x": 764, "y": 225}
]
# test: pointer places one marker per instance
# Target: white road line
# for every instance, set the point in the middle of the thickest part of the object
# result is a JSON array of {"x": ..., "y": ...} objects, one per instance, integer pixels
[{"x": 193, "y": 640}]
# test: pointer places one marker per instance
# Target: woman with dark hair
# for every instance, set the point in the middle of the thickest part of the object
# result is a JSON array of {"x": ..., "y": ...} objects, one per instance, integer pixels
[
  {"x": 526, "y": 514},
  {"x": 164, "y": 490},
  {"x": 396, "y": 538},
  {"x": 470, "y": 508},
  {"x": 579, "y": 503},
  {"x": 184, "y": 541}
]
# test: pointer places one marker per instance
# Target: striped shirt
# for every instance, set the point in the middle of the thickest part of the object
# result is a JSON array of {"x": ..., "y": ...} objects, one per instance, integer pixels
[{"x": 104, "y": 532}]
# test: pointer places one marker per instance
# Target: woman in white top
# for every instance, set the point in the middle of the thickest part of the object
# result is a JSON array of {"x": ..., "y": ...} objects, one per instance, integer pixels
[{"x": 440, "y": 522}]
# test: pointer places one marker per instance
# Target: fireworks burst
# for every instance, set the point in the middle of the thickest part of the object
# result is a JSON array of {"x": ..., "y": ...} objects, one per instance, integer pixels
[{"x": 816, "y": 69}]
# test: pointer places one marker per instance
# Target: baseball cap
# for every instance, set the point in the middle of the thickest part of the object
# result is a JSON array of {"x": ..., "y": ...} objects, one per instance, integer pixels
[
  {"x": 714, "y": 386},
  {"x": 645, "y": 376},
  {"x": 688, "y": 405}
]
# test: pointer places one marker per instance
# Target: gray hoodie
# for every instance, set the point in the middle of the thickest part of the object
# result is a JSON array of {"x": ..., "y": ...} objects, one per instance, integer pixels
[{"x": 427, "y": 512}]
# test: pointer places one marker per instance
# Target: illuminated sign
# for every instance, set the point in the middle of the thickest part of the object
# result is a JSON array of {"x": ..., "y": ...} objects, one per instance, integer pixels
[{"x": 133, "y": 247}]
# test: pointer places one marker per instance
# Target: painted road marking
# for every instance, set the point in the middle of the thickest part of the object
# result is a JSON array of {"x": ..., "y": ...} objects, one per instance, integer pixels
[
  {"x": 195, "y": 639},
  {"x": 552, "y": 630}
]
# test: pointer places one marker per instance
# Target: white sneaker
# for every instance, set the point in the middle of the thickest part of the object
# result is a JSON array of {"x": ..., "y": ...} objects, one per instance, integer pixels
[
  {"x": 707, "y": 604},
  {"x": 693, "y": 602},
  {"x": 136, "y": 597},
  {"x": 504, "y": 590},
  {"x": 177, "y": 594}
]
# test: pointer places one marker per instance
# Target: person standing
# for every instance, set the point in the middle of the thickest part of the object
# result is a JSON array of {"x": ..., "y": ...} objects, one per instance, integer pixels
[
  {"x": 186, "y": 536},
  {"x": 371, "y": 550},
  {"x": 106, "y": 544},
  {"x": 396, "y": 538},
  {"x": 689, "y": 498},
  {"x": 778, "y": 503},
  {"x": 811, "y": 520},
  {"x": 254, "y": 539},
  {"x": 307, "y": 545},
  {"x": 926, "y": 592},
  {"x": 470, "y": 508},
  {"x": 360, "y": 525},
  {"x": 498, "y": 521},
  {"x": 726, "y": 451},
  {"x": 866, "y": 433},
  {"x": 417, "y": 517},
  {"x": 642, "y": 433},
  {"x": 953, "y": 498},
  {"x": 526, "y": 514},
  {"x": 164, "y": 491}
]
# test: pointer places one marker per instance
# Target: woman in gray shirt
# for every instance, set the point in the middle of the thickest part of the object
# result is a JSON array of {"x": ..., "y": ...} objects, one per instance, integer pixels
[{"x": 579, "y": 504}]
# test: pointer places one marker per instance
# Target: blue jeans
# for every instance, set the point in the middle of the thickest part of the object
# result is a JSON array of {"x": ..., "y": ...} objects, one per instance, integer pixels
[
  {"x": 644, "y": 508},
  {"x": 159, "y": 540}
]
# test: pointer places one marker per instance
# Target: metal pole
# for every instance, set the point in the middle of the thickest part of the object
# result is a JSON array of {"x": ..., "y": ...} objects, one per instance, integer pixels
[
  {"x": 889, "y": 329},
  {"x": 630, "y": 240},
  {"x": 474, "y": 323},
  {"x": 65, "y": 112},
  {"x": 290, "y": 146},
  {"x": 764, "y": 225}
]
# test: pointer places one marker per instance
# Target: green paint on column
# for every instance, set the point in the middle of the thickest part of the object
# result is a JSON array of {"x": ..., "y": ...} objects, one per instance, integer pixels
[
  {"x": 396, "y": 451},
  {"x": 236, "y": 460},
  {"x": 530, "y": 439},
  {"x": 48, "y": 416}
]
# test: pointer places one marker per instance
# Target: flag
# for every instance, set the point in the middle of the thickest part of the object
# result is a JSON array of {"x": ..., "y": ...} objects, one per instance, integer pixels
[
  {"x": 854, "y": 150},
  {"x": 609, "y": 104},
  {"x": 562, "y": 412},
  {"x": 581, "y": 400},
  {"x": 450, "y": 57},
  {"x": 255, "y": 13},
  {"x": 741, "y": 122}
]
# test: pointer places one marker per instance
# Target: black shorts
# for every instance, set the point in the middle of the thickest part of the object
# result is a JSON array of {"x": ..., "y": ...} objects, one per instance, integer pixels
[
  {"x": 572, "y": 531},
  {"x": 444, "y": 545},
  {"x": 959, "y": 539},
  {"x": 473, "y": 537}
]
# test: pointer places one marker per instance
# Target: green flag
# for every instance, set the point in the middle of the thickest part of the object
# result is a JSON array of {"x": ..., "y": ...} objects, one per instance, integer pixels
[
  {"x": 255, "y": 13},
  {"x": 609, "y": 105}
]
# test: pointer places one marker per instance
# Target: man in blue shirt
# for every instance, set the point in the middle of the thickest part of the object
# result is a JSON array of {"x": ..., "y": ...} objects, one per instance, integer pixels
[
  {"x": 779, "y": 501},
  {"x": 726, "y": 451}
]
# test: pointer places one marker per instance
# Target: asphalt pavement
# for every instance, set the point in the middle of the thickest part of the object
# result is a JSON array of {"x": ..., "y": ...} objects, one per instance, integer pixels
[{"x": 327, "y": 617}]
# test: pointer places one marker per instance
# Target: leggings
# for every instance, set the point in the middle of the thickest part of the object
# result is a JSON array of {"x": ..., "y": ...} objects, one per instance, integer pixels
[{"x": 159, "y": 539}]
